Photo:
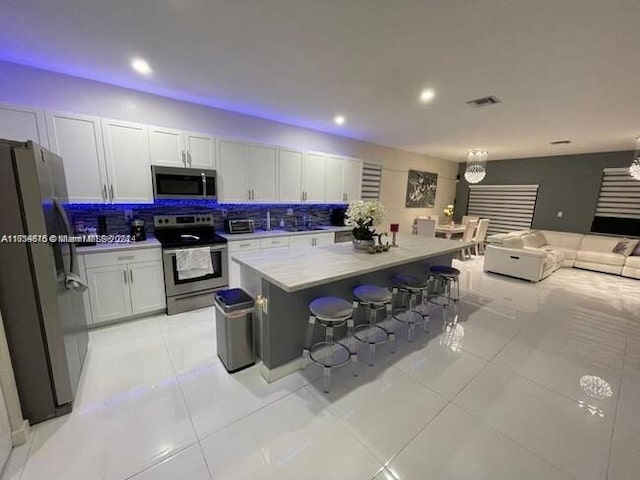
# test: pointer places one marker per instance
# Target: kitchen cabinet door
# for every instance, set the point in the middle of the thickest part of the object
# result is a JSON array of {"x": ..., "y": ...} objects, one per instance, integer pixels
[
  {"x": 290, "y": 175},
  {"x": 86, "y": 298},
  {"x": 234, "y": 267},
  {"x": 325, "y": 239},
  {"x": 200, "y": 151},
  {"x": 314, "y": 177},
  {"x": 109, "y": 293},
  {"x": 146, "y": 282},
  {"x": 126, "y": 147},
  {"x": 262, "y": 173},
  {"x": 22, "y": 124},
  {"x": 232, "y": 181},
  {"x": 166, "y": 147},
  {"x": 335, "y": 169},
  {"x": 352, "y": 180},
  {"x": 301, "y": 241},
  {"x": 78, "y": 140}
]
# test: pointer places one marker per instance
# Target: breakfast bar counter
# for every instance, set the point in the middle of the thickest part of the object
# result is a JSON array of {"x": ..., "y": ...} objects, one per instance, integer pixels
[{"x": 289, "y": 279}]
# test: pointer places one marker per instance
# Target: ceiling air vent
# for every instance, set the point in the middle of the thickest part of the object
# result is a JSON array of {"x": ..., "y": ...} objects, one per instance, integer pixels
[
  {"x": 484, "y": 101},
  {"x": 560, "y": 142}
]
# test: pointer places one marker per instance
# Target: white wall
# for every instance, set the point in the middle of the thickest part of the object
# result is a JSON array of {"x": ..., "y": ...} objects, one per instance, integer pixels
[{"x": 39, "y": 88}]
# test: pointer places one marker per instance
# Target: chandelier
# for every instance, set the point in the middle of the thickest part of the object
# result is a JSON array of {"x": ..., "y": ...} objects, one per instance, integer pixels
[
  {"x": 476, "y": 170},
  {"x": 634, "y": 168}
]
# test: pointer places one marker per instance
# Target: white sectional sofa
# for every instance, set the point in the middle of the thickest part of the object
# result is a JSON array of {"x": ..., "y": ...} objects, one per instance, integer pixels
[{"x": 534, "y": 255}]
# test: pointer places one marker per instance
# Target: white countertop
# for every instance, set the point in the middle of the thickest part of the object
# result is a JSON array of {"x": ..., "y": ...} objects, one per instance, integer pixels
[
  {"x": 296, "y": 269},
  {"x": 276, "y": 232},
  {"x": 150, "y": 242}
]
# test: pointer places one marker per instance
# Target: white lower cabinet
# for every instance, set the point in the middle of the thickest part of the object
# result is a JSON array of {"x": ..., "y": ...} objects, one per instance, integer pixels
[
  {"x": 234, "y": 247},
  {"x": 123, "y": 284},
  {"x": 109, "y": 293},
  {"x": 146, "y": 283}
]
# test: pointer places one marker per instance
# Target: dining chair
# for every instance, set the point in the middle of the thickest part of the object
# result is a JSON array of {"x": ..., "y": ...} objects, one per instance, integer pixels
[
  {"x": 427, "y": 227},
  {"x": 467, "y": 218},
  {"x": 481, "y": 235},
  {"x": 467, "y": 236}
]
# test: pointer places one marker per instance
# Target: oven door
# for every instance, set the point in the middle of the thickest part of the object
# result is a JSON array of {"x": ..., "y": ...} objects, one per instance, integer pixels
[
  {"x": 174, "y": 183},
  {"x": 219, "y": 278}
]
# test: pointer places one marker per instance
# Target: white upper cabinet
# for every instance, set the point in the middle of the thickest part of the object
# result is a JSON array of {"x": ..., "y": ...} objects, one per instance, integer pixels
[
  {"x": 314, "y": 177},
  {"x": 290, "y": 175},
  {"x": 232, "y": 161},
  {"x": 262, "y": 173},
  {"x": 175, "y": 148},
  {"x": 166, "y": 147},
  {"x": 78, "y": 140},
  {"x": 199, "y": 150},
  {"x": 352, "y": 179},
  {"x": 335, "y": 171},
  {"x": 126, "y": 147},
  {"x": 22, "y": 124}
]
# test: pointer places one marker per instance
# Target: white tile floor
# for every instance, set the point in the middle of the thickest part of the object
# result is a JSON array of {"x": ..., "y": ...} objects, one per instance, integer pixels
[{"x": 514, "y": 392}]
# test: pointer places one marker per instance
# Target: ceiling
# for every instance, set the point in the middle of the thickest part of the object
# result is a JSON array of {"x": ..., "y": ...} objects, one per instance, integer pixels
[{"x": 565, "y": 69}]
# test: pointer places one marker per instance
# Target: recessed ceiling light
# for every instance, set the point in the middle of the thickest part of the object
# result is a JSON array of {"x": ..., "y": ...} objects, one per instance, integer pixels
[
  {"x": 427, "y": 95},
  {"x": 339, "y": 119},
  {"x": 141, "y": 66}
]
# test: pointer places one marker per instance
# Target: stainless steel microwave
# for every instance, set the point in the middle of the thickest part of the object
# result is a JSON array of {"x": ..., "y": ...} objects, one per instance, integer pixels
[{"x": 176, "y": 183}]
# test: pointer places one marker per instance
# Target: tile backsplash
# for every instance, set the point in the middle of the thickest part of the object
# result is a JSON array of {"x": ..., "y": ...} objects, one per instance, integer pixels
[{"x": 116, "y": 223}]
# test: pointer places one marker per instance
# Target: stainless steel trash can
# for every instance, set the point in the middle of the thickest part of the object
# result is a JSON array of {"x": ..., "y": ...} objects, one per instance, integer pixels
[{"x": 234, "y": 328}]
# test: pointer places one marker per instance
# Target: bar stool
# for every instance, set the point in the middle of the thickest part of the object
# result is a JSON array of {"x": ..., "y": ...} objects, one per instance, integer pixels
[
  {"x": 374, "y": 299},
  {"x": 330, "y": 313},
  {"x": 446, "y": 290},
  {"x": 411, "y": 289}
]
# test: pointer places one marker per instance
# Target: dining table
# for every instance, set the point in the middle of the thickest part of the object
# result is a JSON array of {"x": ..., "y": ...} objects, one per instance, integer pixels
[{"x": 448, "y": 230}]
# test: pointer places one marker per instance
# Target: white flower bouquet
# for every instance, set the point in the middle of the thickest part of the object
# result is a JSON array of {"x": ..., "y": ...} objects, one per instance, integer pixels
[{"x": 363, "y": 216}]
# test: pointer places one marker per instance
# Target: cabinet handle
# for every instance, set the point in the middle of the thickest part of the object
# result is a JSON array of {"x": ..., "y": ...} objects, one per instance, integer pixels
[
  {"x": 126, "y": 257},
  {"x": 244, "y": 245},
  {"x": 189, "y": 157},
  {"x": 253, "y": 194},
  {"x": 111, "y": 192},
  {"x": 184, "y": 159},
  {"x": 104, "y": 192},
  {"x": 131, "y": 275},
  {"x": 125, "y": 276}
]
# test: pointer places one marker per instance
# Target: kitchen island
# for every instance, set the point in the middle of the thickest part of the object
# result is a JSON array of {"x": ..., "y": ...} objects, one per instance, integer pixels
[{"x": 289, "y": 279}]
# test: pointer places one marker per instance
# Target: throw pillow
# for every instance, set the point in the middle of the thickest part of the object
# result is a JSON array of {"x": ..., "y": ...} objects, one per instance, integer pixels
[
  {"x": 621, "y": 247},
  {"x": 636, "y": 251},
  {"x": 633, "y": 245},
  {"x": 625, "y": 247}
]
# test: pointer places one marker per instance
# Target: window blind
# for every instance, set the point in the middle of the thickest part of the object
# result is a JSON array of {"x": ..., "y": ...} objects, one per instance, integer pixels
[
  {"x": 371, "y": 181},
  {"x": 619, "y": 194},
  {"x": 508, "y": 207}
]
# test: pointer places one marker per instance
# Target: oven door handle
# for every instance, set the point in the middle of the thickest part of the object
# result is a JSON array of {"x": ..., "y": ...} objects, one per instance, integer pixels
[{"x": 213, "y": 249}]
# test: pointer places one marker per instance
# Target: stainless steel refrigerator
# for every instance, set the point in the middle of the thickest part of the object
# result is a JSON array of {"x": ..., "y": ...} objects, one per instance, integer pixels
[{"x": 40, "y": 291}]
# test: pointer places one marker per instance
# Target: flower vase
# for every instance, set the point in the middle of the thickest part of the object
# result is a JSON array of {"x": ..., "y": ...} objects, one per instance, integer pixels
[{"x": 362, "y": 244}]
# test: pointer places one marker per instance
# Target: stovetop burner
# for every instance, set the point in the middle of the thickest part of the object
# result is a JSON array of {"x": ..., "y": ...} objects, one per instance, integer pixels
[{"x": 190, "y": 230}]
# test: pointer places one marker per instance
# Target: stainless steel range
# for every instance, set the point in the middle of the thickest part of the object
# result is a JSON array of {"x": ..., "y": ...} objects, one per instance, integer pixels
[{"x": 179, "y": 232}]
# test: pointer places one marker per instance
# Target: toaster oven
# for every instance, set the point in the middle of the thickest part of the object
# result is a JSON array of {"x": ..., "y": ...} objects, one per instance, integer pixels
[{"x": 239, "y": 225}]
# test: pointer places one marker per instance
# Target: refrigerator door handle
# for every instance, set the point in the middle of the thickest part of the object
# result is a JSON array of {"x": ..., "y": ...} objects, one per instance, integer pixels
[{"x": 67, "y": 227}]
